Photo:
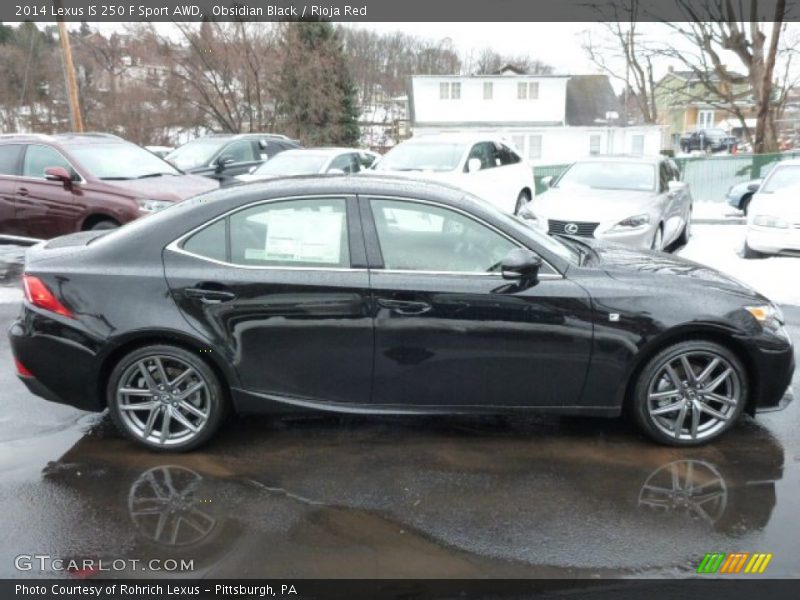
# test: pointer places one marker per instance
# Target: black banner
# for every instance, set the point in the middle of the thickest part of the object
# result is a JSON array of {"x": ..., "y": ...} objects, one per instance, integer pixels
[
  {"x": 143, "y": 589},
  {"x": 390, "y": 10}
]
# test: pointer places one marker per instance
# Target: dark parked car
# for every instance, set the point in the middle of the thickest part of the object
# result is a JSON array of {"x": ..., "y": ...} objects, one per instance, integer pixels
[
  {"x": 711, "y": 140},
  {"x": 223, "y": 156},
  {"x": 52, "y": 185},
  {"x": 384, "y": 295}
]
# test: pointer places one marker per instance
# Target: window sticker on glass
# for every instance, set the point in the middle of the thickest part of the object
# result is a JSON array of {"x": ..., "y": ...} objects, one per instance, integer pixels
[{"x": 304, "y": 236}]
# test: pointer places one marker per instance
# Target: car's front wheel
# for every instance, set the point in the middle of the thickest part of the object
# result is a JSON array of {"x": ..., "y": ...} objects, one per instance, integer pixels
[
  {"x": 165, "y": 398},
  {"x": 690, "y": 393}
]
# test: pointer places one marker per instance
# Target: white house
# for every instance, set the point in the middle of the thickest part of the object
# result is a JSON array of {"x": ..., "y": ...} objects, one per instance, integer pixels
[{"x": 551, "y": 119}]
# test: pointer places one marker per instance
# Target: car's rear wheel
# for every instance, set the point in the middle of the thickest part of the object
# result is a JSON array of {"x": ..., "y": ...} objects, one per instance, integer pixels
[
  {"x": 690, "y": 393},
  {"x": 165, "y": 398},
  {"x": 523, "y": 198}
]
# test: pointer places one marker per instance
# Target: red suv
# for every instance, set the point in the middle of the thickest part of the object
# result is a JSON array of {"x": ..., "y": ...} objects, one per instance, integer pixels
[{"x": 53, "y": 185}]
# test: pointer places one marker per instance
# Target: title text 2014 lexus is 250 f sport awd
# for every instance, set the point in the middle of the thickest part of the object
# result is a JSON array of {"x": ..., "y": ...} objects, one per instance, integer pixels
[{"x": 376, "y": 294}]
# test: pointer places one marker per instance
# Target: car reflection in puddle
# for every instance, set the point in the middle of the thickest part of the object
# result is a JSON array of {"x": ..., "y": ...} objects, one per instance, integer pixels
[{"x": 426, "y": 497}]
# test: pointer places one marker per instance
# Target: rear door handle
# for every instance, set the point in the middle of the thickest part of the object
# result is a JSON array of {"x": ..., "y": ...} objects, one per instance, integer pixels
[
  {"x": 209, "y": 296},
  {"x": 22, "y": 191},
  {"x": 405, "y": 307}
]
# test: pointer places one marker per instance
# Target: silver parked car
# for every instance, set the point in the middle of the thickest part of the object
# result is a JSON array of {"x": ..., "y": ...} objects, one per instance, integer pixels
[{"x": 638, "y": 201}]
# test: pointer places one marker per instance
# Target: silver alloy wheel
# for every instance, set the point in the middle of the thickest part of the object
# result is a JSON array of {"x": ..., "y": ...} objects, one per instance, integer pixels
[
  {"x": 163, "y": 400},
  {"x": 693, "y": 395}
]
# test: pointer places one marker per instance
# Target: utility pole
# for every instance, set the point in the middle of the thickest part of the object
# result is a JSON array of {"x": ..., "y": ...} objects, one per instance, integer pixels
[{"x": 69, "y": 75}]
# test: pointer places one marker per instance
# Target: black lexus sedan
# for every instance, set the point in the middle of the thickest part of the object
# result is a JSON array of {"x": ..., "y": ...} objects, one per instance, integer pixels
[{"x": 379, "y": 295}]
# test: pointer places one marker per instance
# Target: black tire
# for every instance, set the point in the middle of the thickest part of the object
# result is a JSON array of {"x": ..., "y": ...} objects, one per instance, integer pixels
[
  {"x": 745, "y": 204},
  {"x": 639, "y": 401},
  {"x": 658, "y": 239},
  {"x": 686, "y": 234},
  {"x": 523, "y": 198},
  {"x": 749, "y": 253},
  {"x": 213, "y": 396},
  {"x": 104, "y": 224}
]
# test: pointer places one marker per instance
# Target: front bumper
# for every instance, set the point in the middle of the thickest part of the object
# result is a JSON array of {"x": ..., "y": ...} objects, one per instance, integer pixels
[
  {"x": 639, "y": 238},
  {"x": 786, "y": 400},
  {"x": 773, "y": 240}
]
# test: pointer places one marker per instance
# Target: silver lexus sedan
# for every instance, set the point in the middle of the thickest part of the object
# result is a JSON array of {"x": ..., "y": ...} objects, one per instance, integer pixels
[{"x": 638, "y": 201}]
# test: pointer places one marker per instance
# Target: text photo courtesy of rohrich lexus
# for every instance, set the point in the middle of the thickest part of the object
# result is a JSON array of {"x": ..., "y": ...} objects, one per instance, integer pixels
[{"x": 346, "y": 299}]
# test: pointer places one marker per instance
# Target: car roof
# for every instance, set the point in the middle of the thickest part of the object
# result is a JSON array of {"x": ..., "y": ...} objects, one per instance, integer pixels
[
  {"x": 56, "y": 138},
  {"x": 247, "y": 136}
]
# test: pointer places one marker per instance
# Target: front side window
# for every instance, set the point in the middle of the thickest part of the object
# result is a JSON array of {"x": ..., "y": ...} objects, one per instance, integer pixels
[
  {"x": 9, "y": 159},
  {"x": 423, "y": 237},
  {"x": 287, "y": 233},
  {"x": 39, "y": 158},
  {"x": 486, "y": 153}
]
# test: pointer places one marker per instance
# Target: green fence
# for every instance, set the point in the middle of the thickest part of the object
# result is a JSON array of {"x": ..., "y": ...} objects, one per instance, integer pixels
[{"x": 709, "y": 177}]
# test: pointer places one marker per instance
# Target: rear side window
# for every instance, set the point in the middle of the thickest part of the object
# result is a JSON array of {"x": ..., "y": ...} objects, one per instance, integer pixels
[
  {"x": 39, "y": 158},
  {"x": 9, "y": 159},
  {"x": 291, "y": 233},
  {"x": 241, "y": 151}
]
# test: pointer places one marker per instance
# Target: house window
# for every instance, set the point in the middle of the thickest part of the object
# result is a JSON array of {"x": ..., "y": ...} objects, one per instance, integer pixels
[
  {"x": 534, "y": 146},
  {"x": 637, "y": 144},
  {"x": 518, "y": 141},
  {"x": 527, "y": 90},
  {"x": 488, "y": 90},
  {"x": 449, "y": 91},
  {"x": 705, "y": 119},
  {"x": 594, "y": 144}
]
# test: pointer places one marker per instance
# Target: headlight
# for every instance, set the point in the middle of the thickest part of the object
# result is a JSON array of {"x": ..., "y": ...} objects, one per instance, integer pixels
[
  {"x": 151, "y": 206},
  {"x": 632, "y": 223},
  {"x": 770, "y": 221},
  {"x": 770, "y": 316}
]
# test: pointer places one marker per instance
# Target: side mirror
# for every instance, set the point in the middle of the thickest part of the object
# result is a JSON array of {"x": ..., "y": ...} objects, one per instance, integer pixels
[
  {"x": 58, "y": 174},
  {"x": 753, "y": 187},
  {"x": 547, "y": 181},
  {"x": 521, "y": 265},
  {"x": 223, "y": 161},
  {"x": 473, "y": 164}
]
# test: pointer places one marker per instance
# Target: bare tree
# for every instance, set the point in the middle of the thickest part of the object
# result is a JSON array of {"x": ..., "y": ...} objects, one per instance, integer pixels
[
  {"x": 622, "y": 43},
  {"x": 723, "y": 26},
  {"x": 488, "y": 61}
]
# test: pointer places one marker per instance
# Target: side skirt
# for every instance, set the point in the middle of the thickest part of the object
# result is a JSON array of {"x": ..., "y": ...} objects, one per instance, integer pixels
[{"x": 251, "y": 403}]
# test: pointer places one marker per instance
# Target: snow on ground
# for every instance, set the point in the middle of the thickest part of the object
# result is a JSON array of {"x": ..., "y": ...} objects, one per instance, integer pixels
[{"x": 720, "y": 247}]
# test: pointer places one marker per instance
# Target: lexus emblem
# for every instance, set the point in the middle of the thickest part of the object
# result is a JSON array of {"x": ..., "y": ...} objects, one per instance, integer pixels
[{"x": 571, "y": 228}]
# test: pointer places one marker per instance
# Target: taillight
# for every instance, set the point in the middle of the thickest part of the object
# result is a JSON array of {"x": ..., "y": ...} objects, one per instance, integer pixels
[
  {"x": 38, "y": 294},
  {"x": 21, "y": 370}
]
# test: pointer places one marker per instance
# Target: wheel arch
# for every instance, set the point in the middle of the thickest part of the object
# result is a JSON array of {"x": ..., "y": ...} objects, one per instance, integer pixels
[
  {"x": 705, "y": 332},
  {"x": 226, "y": 375},
  {"x": 94, "y": 218}
]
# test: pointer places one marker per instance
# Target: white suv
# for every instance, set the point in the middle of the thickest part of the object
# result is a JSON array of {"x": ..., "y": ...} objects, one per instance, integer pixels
[{"x": 483, "y": 165}]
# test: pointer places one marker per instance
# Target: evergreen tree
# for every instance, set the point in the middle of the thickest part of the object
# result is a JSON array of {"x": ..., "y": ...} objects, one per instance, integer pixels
[{"x": 315, "y": 95}]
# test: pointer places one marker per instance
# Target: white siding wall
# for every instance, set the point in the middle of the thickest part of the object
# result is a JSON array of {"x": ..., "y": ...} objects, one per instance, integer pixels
[{"x": 503, "y": 106}]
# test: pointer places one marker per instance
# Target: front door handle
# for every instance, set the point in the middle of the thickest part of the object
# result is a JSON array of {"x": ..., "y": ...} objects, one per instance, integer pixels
[
  {"x": 22, "y": 191},
  {"x": 209, "y": 296},
  {"x": 405, "y": 307}
]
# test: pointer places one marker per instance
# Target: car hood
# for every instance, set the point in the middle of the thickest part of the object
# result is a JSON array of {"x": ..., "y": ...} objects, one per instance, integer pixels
[
  {"x": 168, "y": 187},
  {"x": 781, "y": 204},
  {"x": 246, "y": 177},
  {"x": 623, "y": 263},
  {"x": 586, "y": 204}
]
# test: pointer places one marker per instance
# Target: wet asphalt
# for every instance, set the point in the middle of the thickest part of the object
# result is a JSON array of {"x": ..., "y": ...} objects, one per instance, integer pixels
[{"x": 394, "y": 497}]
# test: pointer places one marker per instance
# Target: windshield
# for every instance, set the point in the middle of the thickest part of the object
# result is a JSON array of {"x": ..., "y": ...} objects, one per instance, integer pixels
[
  {"x": 422, "y": 156},
  {"x": 120, "y": 160},
  {"x": 611, "y": 175},
  {"x": 781, "y": 177},
  {"x": 292, "y": 163},
  {"x": 551, "y": 244},
  {"x": 197, "y": 153}
]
